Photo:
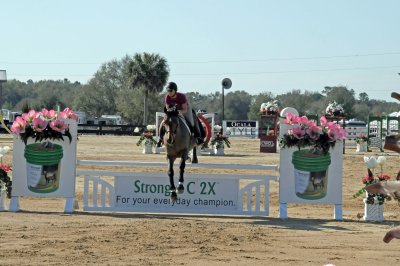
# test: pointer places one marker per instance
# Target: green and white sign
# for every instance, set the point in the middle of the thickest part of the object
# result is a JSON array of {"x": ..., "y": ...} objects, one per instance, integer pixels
[{"x": 153, "y": 193}]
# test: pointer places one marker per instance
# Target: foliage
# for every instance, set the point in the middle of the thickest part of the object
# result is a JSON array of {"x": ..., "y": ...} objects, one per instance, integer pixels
[
  {"x": 305, "y": 132},
  {"x": 147, "y": 138},
  {"x": 361, "y": 138},
  {"x": 369, "y": 179},
  {"x": 46, "y": 124},
  {"x": 6, "y": 179},
  {"x": 5, "y": 173},
  {"x": 219, "y": 140},
  {"x": 149, "y": 72}
]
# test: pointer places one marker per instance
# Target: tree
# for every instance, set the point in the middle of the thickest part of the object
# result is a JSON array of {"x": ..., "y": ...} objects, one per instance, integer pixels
[
  {"x": 264, "y": 97},
  {"x": 363, "y": 97},
  {"x": 148, "y": 72},
  {"x": 343, "y": 96},
  {"x": 237, "y": 105}
]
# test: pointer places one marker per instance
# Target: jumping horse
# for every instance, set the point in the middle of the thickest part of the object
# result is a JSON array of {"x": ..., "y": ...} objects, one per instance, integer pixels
[{"x": 178, "y": 142}]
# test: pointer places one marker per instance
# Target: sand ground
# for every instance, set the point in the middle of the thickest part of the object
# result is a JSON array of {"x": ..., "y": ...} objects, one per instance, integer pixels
[{"x": 41, "y": 234}]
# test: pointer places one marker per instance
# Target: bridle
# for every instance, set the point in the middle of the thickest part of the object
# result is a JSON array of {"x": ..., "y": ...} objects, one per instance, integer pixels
[{"x": 169, "y": 130}]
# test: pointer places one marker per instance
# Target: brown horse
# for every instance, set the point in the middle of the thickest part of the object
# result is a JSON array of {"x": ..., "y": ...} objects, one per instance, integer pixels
[{"x": 178, "y": 142}]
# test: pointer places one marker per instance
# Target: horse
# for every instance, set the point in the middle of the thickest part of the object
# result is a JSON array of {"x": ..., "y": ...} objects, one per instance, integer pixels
[{"x": 178, "y": 142}]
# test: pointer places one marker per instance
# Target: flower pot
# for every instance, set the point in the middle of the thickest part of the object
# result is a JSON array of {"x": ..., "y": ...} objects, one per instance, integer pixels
[
  {"x": 373, "y": 212},
  {"x": 3, "y": 193},
  {"x": 43, "y": 167},
  {"x": 361, "y": 147},
  {"x": 148, "y": 149},
  {"x": 219, "y": 151},
  {"x": 310, "y": 174}
]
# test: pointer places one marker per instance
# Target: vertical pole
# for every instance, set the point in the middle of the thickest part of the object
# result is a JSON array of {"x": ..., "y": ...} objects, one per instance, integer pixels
[{"x": 222, "y": 120}]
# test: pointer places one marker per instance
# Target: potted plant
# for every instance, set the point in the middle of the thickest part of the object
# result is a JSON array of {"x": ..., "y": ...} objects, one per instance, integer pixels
[
  {"x": 334, "y": 109},
  {"x": 5, "y": 179},
  {"x": 43, "y": 156},
  {"x": 147, "y": 140},
  {"x": 219, "y": 141},
  {"x": 270, "y": 108},
  {"x": 312, "y": 158},
  {"x": 373, "y": 203},
  {"x": 361, "y": 142}
]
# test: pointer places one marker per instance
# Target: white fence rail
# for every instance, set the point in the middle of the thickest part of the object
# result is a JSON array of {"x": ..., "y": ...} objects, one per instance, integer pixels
[{"x": 235, "y": 194}]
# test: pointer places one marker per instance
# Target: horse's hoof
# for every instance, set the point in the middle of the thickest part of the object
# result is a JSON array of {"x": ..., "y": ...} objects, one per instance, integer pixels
[
  {"x": 180, "y": 189},
  {"x": 174, "y": 196}
]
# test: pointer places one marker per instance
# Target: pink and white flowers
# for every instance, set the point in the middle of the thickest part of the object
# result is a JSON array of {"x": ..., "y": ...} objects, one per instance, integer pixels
[
  {"x": 305, "y": 132},
  {"x": 46, "y": 124}
]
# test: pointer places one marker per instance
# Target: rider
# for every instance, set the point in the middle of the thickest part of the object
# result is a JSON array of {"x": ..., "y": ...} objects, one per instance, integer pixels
[{"x": 184, "y": 107}]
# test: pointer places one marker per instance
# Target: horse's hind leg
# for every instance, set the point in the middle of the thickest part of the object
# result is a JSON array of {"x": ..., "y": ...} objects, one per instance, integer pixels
[
  {"x": 172, "y": 188},
  {"x": 181, "y": 187}
]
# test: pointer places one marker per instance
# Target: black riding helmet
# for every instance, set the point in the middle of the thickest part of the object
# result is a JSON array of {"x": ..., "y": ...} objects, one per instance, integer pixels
[{"x": 172, "y": 86}]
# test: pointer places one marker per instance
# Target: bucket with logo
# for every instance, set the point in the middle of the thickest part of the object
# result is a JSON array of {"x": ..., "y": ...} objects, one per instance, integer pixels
[
  {"x": 310, "y": 174},
  {"x": 43, "y": 166}
]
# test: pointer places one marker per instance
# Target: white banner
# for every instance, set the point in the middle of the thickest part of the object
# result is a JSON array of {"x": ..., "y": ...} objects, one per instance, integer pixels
[{"x": 152, "y": 193}]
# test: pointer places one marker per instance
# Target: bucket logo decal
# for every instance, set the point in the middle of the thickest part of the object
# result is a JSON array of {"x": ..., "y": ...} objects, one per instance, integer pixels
[
  {"x": 43, "y": 166},
  {"x": 310, "y": 174}
]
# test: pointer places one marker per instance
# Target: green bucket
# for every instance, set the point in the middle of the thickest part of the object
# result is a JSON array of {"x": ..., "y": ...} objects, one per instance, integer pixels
[
  {"x": 311, "y": 174},
  {"x": 43, "y": 166}
]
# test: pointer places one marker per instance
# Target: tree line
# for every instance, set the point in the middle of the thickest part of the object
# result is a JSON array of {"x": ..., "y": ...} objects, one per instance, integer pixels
[{"x": 133, "y": 87}]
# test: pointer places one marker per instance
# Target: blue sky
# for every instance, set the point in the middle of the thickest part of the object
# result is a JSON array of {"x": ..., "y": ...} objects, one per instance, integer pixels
[{"x": 260, "y": 45}]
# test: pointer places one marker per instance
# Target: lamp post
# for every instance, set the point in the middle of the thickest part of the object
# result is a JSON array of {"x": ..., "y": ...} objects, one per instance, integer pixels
[
  {"x": 3, "y": 79},
  {"x": 226, "y": 84}
]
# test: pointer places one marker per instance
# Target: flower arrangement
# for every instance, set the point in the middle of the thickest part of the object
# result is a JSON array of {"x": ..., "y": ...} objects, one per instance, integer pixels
[
  {"x": 334, "y": 109},
  {"x": 369, "y": 179},
  {"x": 46, "y": 124},
  {"x": 361, "y": 138},
  {"x": 219, "y": 140},
  {"x": 305, "y": 132},
  {"x": 5, "y": 173},
  {"x": 147, "y": 137},
  {"x": 269, "y": 108}
]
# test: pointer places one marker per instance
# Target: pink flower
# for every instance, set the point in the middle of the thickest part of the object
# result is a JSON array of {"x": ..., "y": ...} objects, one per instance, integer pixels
[
  {"x": 28, "y": 117},
  {"x": 68, "y": 114},
  {"x": 297, "y": 132},
  {"x": 48, "y": 115},
  {"x": 291, "y": 118},
  {"x": 58, "y": 125},
  {"x": 19, "y": 125},
  {"x": 39, "y": 124},
  {"x": 314, "y": 132}
]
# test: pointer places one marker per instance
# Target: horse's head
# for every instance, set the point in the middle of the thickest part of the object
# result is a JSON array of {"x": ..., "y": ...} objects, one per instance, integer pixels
[{"x": 171, "y": 124}]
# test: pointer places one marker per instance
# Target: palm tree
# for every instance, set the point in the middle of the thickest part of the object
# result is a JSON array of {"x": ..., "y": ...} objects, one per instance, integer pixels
[{"x": 149, "y": 72}]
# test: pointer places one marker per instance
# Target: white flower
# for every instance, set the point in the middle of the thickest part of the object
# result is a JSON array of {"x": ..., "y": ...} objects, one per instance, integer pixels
[
  {"x": 334, "y": 107},
  {"x": 263, "y": 107},
  {"x": 381, "y": 160},
  {"x": 136, "y": 130},
  {"x": 371, "y": 162},
  {"x": 217, "y": 128},
  {"x": 151, "y": 127},
  {"x": 4, "y": 150}
]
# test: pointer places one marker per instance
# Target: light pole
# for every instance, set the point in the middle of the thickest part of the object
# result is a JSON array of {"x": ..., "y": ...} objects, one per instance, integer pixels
[
  {"x": 226, "y": 84},
  {"x": 3, "y": 79}
]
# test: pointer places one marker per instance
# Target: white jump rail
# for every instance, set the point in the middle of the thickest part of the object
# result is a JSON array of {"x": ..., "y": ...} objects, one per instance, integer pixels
[{"x": 204, "y": 193}]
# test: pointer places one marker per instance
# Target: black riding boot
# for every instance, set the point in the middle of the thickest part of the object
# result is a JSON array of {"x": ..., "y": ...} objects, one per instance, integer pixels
[{"x": 162, "y": 132}]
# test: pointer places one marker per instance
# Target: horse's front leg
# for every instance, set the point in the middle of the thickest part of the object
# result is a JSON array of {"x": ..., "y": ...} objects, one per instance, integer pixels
[
  {"x": 171, "y": 179},
  {"x": 181, "y": 187}
]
